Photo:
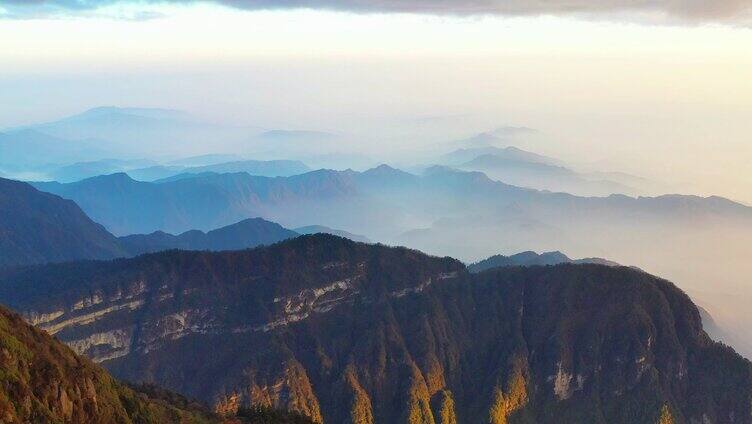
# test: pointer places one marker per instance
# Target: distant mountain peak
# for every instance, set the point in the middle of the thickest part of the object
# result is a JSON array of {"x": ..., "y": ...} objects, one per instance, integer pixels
[
  {"x": 385, "y": 169},
  {"x": 530, "y": 258},
  {"x": 315, "y": 229},
  {"x": 248, "y": 233},
  {"x": 156, "y": 113},
  {"x": 440, "y": 169},
  {"x": 116, "y": 177}
]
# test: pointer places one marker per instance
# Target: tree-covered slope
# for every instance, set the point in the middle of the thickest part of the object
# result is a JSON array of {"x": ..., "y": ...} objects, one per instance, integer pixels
[
  {"x": 349, "y": 332},
  {"x": 44, "y": 381}
]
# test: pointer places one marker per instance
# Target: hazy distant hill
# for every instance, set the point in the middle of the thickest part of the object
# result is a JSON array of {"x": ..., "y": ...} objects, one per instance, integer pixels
[
  {"x": 346, "y": 332},
  {"x": 531, "y": 259},
  {"x": 379, "y": 201},
  {"x": 204, "y": 160},
  {"x": 286, "y": 143},
  {"x": 271, "y": 168},
  {"x": 509, "y": 153},
  {"x": 40, "y": 227},
  {"x": 500, "y": 137},
  {"x": 543, "y": 176},
  {"x": 31, "y": 150},
  {"x": 82, "y": 170},
  {"x": 314, "y": 229},
  {"x": 139, "y": 132},
  {"x": 250, "y": 232},
  {"x": 527, "y": 169},
  {"x": 126, "y": 206}
]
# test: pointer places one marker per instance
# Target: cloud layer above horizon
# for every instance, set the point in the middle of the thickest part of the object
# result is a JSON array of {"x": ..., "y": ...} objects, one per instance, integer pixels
[{"x": 672, "y": 11}]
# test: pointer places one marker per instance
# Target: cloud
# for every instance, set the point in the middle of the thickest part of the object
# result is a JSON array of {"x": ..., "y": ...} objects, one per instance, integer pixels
[{"x": 698, "y": 11}]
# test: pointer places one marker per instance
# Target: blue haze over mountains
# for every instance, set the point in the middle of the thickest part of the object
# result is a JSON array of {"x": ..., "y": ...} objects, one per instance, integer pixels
[{"x": 140, "y": 171}]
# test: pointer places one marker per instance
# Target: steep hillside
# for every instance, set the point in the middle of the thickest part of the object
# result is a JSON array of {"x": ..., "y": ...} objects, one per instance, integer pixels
[
  {"x": 43, "y": 381},
  {"x": 37, "y": 227},
  {"x": 349, "y": 332}
]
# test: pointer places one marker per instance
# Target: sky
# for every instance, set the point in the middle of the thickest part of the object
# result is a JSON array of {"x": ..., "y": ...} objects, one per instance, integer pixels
[{"x": 656, "y": 88}]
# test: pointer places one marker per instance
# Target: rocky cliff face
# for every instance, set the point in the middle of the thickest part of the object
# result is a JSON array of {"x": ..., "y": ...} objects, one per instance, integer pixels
[
  {"x": 43, "y": 381},
  {"x": 349, "y": 332}
]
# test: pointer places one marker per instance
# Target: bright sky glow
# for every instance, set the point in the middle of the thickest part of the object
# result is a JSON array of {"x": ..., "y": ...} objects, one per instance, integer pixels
[{"x": 671, "y": 102}]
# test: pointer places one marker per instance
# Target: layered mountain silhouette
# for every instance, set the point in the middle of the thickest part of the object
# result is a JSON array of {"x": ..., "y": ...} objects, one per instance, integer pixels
[
  {"x": 81, "y": 170},
  {"x": 127, "y": 131},
  {"x": 126, "y": 206},
  {"x": 352, "y": 199},
  {"x": 445, "y": 211},
  {"x": 250, "y": 232},
  {"x": 38, "y": 227},
  {"x": 534, "y": 259},
  {"x": 508, "y": 153},
  {"x": 350, "y": 332},
  {"x": 269, "y": 168},
  {"x": 526, "y": 169},
  {"x": 28, "y": 149}
]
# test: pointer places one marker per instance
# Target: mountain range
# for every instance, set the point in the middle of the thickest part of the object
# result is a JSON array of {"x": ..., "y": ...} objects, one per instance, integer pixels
[
  {"x": 349, "y": 332},
  {"x": 38, "y": 227},
  {"x": 527, "y": 169},
  {"x": 462, "y": 214},
  {"x": 125, "y": 206},
  {"x": 127, "y": 131}
]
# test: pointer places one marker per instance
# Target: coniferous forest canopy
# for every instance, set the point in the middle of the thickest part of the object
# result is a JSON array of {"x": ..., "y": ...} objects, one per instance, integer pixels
[{"x": 418, "y": 212}]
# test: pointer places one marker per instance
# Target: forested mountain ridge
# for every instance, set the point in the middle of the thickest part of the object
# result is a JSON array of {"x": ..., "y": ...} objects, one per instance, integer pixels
[{"x": 350, "y": 332}]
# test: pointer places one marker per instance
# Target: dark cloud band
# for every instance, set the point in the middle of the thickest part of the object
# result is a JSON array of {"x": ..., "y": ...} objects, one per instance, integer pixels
[{"x": 687, "y": 10}]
